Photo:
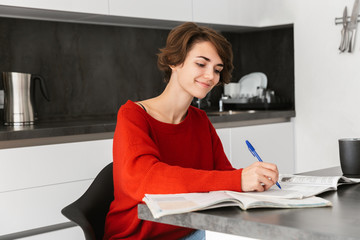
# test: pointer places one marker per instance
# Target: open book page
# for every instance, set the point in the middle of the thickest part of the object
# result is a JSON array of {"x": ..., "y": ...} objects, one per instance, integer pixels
[
  {"x": 166, "y": 204},
  {"x": 263, "y": 202},
  {"x": 300, "y": 186}
]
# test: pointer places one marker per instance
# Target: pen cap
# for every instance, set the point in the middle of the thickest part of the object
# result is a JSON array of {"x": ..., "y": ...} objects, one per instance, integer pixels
[{"x": 349, "y": 151}]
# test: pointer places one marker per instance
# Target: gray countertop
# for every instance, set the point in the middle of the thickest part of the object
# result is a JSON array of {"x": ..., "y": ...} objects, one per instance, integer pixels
[
  {"x": 341, "y": 221},
  {"x": 103, "y": 128}
]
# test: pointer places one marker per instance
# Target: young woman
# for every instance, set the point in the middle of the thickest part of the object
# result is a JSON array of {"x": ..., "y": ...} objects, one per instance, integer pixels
[{"x": 165, "y": 145}]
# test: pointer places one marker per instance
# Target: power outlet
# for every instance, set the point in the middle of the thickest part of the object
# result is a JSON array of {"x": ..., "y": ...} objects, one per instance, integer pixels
[{"x": 1, "y": 99}]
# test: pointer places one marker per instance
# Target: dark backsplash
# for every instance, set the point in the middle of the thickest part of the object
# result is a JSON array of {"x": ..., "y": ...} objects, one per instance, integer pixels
[
  {"x": 270, "y": 52},
  {"x": 91, "y": 70}
]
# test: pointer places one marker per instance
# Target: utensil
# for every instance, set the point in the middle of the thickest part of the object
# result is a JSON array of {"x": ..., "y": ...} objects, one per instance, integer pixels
[
  {"x": 344, "y": 32},
  {"x": 19, "y": 97},
  {"x": 352, "y": 26}
]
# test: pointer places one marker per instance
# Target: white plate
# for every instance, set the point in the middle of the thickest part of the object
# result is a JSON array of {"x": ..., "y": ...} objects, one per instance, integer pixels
[
  {"x": 232, "y": 90},
  {"x": 249, "y": 83}
]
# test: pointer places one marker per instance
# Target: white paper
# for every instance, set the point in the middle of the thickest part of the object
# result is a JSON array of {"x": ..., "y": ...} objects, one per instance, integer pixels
[{"x": 300, "y": 186}]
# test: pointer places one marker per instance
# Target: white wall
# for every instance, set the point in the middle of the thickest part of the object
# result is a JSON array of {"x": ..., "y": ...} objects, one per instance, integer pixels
[{"x": 327, "y": 84}]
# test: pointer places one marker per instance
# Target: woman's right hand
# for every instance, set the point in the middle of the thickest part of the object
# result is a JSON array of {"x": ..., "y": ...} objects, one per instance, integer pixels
[{"x": 259, "y": 176}]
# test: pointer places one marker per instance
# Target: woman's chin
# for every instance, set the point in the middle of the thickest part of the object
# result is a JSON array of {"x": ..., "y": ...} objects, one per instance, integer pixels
[{"x": 200, "y": 94}]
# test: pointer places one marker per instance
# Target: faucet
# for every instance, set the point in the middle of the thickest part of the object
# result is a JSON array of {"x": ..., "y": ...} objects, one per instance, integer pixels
[
  {"x": 221, "y": 106},
  {"x": 221, "y": 102}
]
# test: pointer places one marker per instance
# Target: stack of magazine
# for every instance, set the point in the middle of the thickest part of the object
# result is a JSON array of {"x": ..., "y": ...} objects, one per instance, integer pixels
[{"x": 297, "y": 191}]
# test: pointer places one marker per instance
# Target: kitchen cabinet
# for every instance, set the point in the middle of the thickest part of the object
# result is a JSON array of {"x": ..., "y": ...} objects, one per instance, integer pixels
[
  {"x": 273, "y": 142},
  {"x": 74, "y": 233},
  {"x": 37, "y": 182},
  {"x": 37, "y": 207},
  {"x": 225, "y": 137},
  {"x": 161, "y": 13},
  {"x": 210, "y": 235},
  {"x": 81, "y": 6},
  {"x": 256, "y": 13},
  {"x": 156, "y": 9},
  {"x": 227, "y": 12}
]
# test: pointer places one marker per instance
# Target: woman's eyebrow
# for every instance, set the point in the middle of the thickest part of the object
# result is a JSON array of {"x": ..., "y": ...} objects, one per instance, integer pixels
[{"x": 208, "y": 60}]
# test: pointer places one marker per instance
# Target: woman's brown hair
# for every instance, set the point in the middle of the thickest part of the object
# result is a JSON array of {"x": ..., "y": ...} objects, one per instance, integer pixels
[{"x": 180, "y": 41}]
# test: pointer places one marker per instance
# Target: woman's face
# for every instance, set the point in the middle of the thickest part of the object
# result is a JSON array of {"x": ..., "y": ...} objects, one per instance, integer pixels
[{"x": 200, "y": 71}]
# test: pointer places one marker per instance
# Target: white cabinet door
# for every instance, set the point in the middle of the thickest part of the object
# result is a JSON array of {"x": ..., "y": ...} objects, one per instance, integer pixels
[
  {"x": 37, "y": 182},
  {"x": 227, "y": 12},
  {"x": 277, "y": 12},
  {"x": 210, "y": 235},
  {"x": 74, "y": 233},
  {"x": 273, "y": 142},
  {"x": 37, "y": 207},
  {"x": 225, "y": 137},
  {"x": 81, "y": 6},
  {"x": 28, "y": 167},
  {"x": 156, "y": 9},
  {"x": 249, "y": 13}
]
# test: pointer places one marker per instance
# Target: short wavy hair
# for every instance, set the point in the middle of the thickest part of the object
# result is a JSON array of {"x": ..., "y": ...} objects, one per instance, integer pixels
[{"x": 181, "y": 40}]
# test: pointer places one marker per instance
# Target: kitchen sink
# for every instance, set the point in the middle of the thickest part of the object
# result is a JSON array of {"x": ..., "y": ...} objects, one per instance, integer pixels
[{"x": 229, "y": 112}]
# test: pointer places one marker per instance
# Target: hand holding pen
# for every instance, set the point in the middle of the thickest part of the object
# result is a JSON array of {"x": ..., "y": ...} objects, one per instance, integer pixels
[{"x": 255, "y": 173}]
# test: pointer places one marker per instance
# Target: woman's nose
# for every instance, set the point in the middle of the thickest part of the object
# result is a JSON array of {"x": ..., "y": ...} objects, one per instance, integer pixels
[{"x": 209, "y": 73}]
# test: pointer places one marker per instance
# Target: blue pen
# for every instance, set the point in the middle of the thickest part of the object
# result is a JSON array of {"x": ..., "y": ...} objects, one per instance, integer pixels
[{"x": 254, "y": 153}]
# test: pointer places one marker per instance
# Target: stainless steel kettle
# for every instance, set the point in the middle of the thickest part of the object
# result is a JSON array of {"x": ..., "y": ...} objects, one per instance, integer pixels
[{"x": 19, "y": 97}]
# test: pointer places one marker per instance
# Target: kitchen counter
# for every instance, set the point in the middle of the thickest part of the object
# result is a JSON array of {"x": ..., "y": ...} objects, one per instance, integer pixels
[
  {"x": 249, "y": 117},
  {"x": 103, "y": 128},
  {"x": 337, "y": 222}
]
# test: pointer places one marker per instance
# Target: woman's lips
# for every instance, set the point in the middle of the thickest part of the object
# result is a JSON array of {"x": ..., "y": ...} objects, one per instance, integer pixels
[{"x": 203, "y": 84}]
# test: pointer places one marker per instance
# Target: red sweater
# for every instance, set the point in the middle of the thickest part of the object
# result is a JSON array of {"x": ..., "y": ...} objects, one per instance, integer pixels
[{"x": 155, "y": 157}]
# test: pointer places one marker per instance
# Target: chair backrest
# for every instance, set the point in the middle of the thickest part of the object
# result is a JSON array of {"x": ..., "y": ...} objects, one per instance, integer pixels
[{"x": 90, "y": 210}]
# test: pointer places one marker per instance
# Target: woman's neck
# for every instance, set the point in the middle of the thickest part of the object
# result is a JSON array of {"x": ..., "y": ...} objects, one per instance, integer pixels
[{"x": 170, "y": 106}]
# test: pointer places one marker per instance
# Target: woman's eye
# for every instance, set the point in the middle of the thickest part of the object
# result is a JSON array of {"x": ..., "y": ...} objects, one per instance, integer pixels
[
  {"x": 218, "y": 71},
  {"x": 200, "y": 64}
]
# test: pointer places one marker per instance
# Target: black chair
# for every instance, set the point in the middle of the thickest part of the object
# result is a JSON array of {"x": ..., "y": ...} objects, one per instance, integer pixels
[{"x": 89, "y": 211}]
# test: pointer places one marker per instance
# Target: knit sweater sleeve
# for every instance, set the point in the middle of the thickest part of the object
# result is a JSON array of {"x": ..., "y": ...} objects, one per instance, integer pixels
[{"x": 139, "y": 170}]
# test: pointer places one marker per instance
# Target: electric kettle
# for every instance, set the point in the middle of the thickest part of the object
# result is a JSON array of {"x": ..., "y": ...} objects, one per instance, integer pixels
[{"x": 19, "y": 91}]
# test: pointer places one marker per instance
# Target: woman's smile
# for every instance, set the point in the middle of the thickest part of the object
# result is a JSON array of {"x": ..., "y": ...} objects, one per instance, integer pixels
[{"x": 203, "y": 84}]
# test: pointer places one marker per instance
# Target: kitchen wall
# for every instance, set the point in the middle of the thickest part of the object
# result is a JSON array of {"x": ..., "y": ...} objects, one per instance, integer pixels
[
  {"x": 91, "y": 70},
  {"x": 327, "y": 84}
]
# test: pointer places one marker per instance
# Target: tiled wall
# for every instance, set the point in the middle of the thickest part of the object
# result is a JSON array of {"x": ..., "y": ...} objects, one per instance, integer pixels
[{"x": 90, "y": 70}]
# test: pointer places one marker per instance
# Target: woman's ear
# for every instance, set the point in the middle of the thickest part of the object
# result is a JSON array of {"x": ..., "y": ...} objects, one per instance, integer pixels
[{"x": 174, "y": 67}]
